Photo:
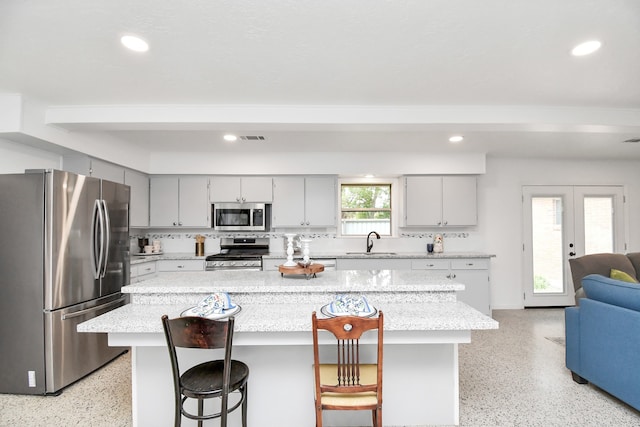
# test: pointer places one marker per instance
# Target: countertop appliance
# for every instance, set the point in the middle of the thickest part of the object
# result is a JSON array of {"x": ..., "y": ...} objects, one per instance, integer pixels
[
  {"x": 64, "y": 258},
  {"x": 240, "y": 216},
  {"x": 243, "y": 253}
]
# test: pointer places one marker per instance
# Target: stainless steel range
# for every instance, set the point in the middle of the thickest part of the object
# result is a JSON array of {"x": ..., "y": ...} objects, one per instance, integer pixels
[{"x": 240, "y": 253}]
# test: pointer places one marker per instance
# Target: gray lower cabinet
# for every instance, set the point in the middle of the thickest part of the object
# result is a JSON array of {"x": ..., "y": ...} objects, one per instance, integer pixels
[
  {"x": 143, "y": 271},
  {"x": 181, "y": 265},
  {"x": 472, "y": 272}
]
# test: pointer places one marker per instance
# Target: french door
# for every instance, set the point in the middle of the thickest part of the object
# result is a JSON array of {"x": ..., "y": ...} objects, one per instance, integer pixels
[{"x": 563, "y": 222}]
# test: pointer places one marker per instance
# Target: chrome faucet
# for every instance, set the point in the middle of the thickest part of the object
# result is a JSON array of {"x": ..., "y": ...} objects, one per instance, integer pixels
[{"x": 370, "y": 242}]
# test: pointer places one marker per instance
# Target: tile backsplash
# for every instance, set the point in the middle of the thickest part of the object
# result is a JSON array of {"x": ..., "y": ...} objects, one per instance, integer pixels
[{"x": 184, "y": 242}]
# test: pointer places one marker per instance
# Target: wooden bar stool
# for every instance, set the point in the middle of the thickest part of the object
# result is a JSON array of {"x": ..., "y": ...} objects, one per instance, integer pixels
[
  {"x": 347, "y": 384},
  {"x": 207, "y": 380}
]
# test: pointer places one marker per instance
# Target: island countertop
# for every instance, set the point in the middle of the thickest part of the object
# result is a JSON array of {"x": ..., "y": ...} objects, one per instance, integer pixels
[
  {"x": 274, "y": 282},
  {"x": 274, "y": 303}
]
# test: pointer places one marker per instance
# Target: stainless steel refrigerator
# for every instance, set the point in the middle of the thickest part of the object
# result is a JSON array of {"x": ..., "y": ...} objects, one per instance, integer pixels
[{"x": 64, "y": 256}]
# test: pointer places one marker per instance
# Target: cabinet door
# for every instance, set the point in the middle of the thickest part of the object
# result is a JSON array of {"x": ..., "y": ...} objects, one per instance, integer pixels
[
  {"x": 474, "y": 274},
  {"x": 225, "y": 189},
  {"x": 108, "y": 171},
  {"x": 423, "y": 201},
  {"x": 194, "y": 207},
  {"x": 257, "y": 189},
  {"x": 139, "y": 183},
  {"x": 288, "y": 202},
  {"x": 163, "y": 202},
  {"x": 181, "y": 265},
  {"x": 320, "y": 202},
  {"x": 459, "y": 205}
]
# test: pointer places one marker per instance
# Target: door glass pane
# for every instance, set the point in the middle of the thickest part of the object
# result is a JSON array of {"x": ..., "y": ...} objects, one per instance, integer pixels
[
  {"x": 547, "y": 228},
  {"x": 598, "y": 225}
]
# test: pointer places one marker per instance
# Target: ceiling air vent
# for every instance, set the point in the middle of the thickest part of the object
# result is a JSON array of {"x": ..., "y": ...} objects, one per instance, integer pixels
[
  {"x": 252, "y": 138},
  {"x": 632, "y": 140}
]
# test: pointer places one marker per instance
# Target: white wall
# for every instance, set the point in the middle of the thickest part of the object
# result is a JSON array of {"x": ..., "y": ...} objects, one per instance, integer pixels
[
  {"x": 16, "y": 157},
  {"x": 500, "y": 210},
  {"x": 499, "y": 229}
]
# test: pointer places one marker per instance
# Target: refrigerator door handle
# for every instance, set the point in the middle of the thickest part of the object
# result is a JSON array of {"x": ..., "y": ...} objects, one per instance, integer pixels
[
  {"x": 96, "y": 308},
  {"x": 97, "y": 242},
  {"x": 107, "y": 237}
]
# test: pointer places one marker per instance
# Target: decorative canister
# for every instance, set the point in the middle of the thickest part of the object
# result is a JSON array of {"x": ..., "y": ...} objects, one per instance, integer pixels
[{"x": 438, "y": 243}]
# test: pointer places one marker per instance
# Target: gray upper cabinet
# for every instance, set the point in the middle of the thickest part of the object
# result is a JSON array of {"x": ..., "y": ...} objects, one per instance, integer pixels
[
  {"x": 139, "y": 183},
  {"x": 179, "y": 202},
  {"x": 85, "y": 165},
  {"x": 241, "y": 189},
  {"x": 440, "y": 201},
  {"x": 304, "y": 202}
]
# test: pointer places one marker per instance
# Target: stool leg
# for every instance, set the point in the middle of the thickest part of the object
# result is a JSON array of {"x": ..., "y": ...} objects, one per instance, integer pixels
[
  {"x": 200, "y": 410},
  {"x": 244, "y": 406}
]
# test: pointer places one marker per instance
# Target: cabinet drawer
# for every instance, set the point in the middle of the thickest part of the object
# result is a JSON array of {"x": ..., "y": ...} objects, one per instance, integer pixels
[
  {"x": 469, "y": 264},
  {"x": 181, "y": 265},
  {"x": 430, "y": 264},
  {"x": 146, "y": 268}
]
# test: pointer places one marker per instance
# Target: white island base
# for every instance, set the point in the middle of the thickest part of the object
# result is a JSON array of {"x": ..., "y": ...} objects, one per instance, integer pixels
[
  {"x": 423, "y": 325},
  {"x": 420, "y": 382}
]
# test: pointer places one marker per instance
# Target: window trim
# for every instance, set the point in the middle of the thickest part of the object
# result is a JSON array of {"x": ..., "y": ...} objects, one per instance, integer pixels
[{"x": 395, "y": 212}]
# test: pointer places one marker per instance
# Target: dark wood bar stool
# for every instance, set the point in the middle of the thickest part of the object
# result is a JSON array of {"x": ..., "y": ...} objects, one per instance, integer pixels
[
  {"x": 207, "y": 380},
  {"x": 348, "y": 384}
]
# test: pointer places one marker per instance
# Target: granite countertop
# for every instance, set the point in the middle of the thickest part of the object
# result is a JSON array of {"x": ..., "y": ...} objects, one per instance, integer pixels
[
  {"x": 270, "y": 302},
  {"x": 435, "y": 316},
  {"x": 389, "y": 255},
  {"x": 273, "y": 282},
  {"x": 138, "y": 259}
]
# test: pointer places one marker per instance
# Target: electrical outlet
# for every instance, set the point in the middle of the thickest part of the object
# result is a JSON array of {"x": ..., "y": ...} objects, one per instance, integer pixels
[{"x": 32, "y": 378}]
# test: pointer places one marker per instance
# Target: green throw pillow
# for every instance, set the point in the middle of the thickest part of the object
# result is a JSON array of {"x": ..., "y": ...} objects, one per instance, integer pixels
[{"x": 621, "y": 275}]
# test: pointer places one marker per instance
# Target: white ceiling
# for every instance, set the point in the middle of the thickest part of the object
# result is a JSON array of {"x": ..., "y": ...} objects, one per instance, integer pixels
[{"x": 334, "y": 75}]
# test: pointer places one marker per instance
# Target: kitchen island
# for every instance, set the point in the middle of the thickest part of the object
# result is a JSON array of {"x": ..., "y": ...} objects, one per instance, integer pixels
[{"x": 424, "y": 323}]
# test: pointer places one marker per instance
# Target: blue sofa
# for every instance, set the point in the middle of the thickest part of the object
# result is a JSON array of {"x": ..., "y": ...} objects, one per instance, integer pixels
[{"x": 603, "y": 337}]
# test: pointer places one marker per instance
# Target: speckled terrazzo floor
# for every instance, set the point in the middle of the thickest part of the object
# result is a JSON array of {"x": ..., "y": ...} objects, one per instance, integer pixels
[{"x": 514, "y": 376}]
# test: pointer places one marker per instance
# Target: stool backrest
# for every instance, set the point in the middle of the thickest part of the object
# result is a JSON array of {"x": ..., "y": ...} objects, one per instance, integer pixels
[{"x": 348, "y": 330}]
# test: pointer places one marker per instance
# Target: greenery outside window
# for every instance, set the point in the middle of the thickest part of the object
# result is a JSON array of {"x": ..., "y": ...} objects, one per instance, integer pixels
[{"x": 365, "y": 208}]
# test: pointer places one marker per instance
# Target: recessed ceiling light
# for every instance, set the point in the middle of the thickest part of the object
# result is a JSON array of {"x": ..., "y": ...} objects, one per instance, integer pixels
[
  {"x": 230, "y": 138},
  {"x": 135, "y": 43},
  {"x": 369, "y": 175},
  {"x": 456, "y": 138},
  {"x": 586, "y": 48}
]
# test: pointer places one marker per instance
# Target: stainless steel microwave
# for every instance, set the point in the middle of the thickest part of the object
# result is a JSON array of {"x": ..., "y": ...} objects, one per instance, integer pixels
[{"x": 239, "y": 216}]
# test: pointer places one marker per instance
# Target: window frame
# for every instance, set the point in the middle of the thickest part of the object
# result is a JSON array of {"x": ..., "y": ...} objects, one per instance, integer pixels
[{"x": 394, "y": 212}]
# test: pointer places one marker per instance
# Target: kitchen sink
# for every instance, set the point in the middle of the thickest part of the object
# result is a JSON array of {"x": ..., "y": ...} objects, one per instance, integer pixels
[{"x": 371, "y": 253}]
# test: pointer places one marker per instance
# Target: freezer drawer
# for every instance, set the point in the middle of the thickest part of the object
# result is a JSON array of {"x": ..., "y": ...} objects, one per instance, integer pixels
[{"x": 70, "y": 355}]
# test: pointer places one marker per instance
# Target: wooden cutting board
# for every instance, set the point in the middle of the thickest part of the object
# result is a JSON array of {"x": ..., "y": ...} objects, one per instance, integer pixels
[{"x": 309, "y": 270}]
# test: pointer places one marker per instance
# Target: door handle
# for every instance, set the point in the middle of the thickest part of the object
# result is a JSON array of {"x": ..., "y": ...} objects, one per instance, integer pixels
[{"x": 92, "y": 309}]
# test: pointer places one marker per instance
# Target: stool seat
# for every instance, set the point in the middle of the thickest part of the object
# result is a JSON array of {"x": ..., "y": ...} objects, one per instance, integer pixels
[{"x": 206, "y": 378}]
